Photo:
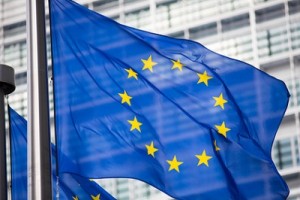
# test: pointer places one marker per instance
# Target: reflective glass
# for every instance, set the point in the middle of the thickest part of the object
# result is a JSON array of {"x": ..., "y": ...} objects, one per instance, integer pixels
[
  {"x": 282, "y": 153},
  {"x": 15, "y": 54},
  {"x": 198, "y": 9},
  {"x": 230, "y": 5},
  {"x": 272, "y": 41},
  {"x": 139, "y": 19},
  {"x": 14, "y": 29},
  {"x": 298, "y": 90},
  {"x": 239, "y": 47},
  {"x": 295, "y": 34}
]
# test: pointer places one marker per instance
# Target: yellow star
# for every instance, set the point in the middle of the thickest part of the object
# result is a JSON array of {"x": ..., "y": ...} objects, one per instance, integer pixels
[
  {"x": 220, "y": 101},
  {"x": 151, "y": 149},
  {"x": 135, "y": 124},
  {"x": 148, "y": 64},
  {"x": 203, "y": 158},
  {"x": 96, "y": 197},
  {"x": 203, "y": 78},
  {"x": 174, "y": 164},
  {"x": 216, "y": 147},
  {"x": 177, "y": 64},
  {"x": 75, "y": 198},
  {"x": 222, "y": 129},
  {"x": 125, "y": 97},
  {"x": 131, "y": 73}
]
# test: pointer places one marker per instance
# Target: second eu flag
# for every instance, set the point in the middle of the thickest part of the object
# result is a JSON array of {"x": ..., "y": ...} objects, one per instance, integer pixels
[
  {"x": 169, "y": 112},
  {"x": 66, "y": 187}
]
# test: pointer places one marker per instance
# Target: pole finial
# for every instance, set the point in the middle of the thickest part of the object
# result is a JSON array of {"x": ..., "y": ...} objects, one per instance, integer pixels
[{"x": 7, "y": 79}]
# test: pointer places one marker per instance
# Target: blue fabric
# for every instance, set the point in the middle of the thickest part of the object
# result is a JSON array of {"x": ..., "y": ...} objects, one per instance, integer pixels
[
  {"x": 70, "y": 185},
  {"x": 168, "y": 108}
]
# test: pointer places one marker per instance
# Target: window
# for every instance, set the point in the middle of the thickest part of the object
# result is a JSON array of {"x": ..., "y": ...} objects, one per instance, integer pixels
[
  {"x": 229, "y": 5},
  {"x": 239, "y": 47},
  {"x": 169, "y": 14},
  {"x": 131, "y": 1},
  {"x": 122, "y": 189},
  {"x": 139, "y": 18},
  {"x": 105, "y": 4},
  {"x": 295, "y": 35},
  {"x": 283, "y": 153},
  {"x": 290, "y": 87},
  {"x": 297, "y": 77},
  {"x": 272, "y": 41},
  {"x": 197, "y": 9},
  {"x": 14, "y": 29},
  {"x": 21, "y": 78},
  {"x": 15, "y": 54},
  {"x": 294, "y": 7},
  {"x": 270, "y": 13},
  {"x": 177, "y": 35},
  {"x": 262, "y": 1},
  {"x": 297, "y": 150},
  {"x": 298, "y": 90},
  {"x": 235, "y": 22},
  {"x": 203, "y": 31},
  {"x": 48, "y": 47}
]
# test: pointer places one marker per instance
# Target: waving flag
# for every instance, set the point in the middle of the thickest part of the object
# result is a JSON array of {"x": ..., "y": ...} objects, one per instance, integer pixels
[
  {"x": 169, "y": 112},
  {"x": 71, "y": 186}
]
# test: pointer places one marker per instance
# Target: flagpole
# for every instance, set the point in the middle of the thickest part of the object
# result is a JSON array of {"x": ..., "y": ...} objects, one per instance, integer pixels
[
  {"x": 39, "y": 161},
  {"x": 7, "y": 86}
]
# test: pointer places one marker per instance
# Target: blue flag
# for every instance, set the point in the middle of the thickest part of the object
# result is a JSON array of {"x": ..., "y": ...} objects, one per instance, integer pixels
[
  {"x": 71, "y": 186},
  {"x": 169, "y": 112}
]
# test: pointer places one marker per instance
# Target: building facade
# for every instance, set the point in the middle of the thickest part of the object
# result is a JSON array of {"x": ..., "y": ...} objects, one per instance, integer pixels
[{"x": 264, "y": 33}]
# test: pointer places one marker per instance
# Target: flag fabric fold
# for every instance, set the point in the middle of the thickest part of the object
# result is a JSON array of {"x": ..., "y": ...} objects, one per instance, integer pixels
[
  {"x": 170, "y": 112},
  {"x": 70, "y": 186}
]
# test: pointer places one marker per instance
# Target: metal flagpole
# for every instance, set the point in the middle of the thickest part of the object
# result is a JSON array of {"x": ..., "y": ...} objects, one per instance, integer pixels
[
  {"x": 7, "y": 86},
  {"x": 39, "y": 162}
]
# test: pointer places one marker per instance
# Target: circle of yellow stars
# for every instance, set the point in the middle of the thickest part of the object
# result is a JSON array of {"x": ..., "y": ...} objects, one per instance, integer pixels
[{"x": 204, "y": 78}]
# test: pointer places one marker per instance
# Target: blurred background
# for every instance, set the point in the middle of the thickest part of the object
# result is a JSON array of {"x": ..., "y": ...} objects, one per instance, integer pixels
[{"x": 264, "y": 33}]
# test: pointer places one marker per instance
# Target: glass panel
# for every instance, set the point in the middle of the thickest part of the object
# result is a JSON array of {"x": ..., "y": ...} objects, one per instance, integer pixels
[
  {"x": 294, "y": 7},
  {"x": 122, "y": 189},
  {"x": 10, "y": 11},
  {"x": 197, "y": 9},
  {"x": 23, "y": 54},
  {"x": 177, "y": 35},
  {"x": 139, "y": 18},
  {"x": 289, "y": 85},
  {"x": 270, "y": 13},
  {"x": 169, "y": 14},
  {"x": 48, "y": 47},
  {"x": 235, "y": 22},
  {"x": 15, "y": 54},
  {"x": 239, "y": 47},
  {"x": 21, "y": 78},
  {"x": 203, "y": 31},
  {"x": 298, "y": 90},
  {"x": 105, "y": 4},
  {"x": 131, "y": 1},
  {"x": 18, "y": 101},
  {"x": 14, "y": 29},
  {"x": 230, "y": 5},
  {"x": 282, "y": 153},
  {"x": 295, "y": 35},
  {"x": 262, "y": 1},
  {"x": 272, "y": 41},
  {"x": 297, "y": 150}
]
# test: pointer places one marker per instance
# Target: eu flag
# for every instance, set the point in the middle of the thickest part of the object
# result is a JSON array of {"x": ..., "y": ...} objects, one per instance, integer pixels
[
  {"x": 169, "y": 112},
  {"x": 66, "y": 187}
]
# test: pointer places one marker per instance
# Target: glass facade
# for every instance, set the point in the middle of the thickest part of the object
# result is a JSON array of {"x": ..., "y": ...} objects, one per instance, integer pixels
[{"x": 265, "y": 33}]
